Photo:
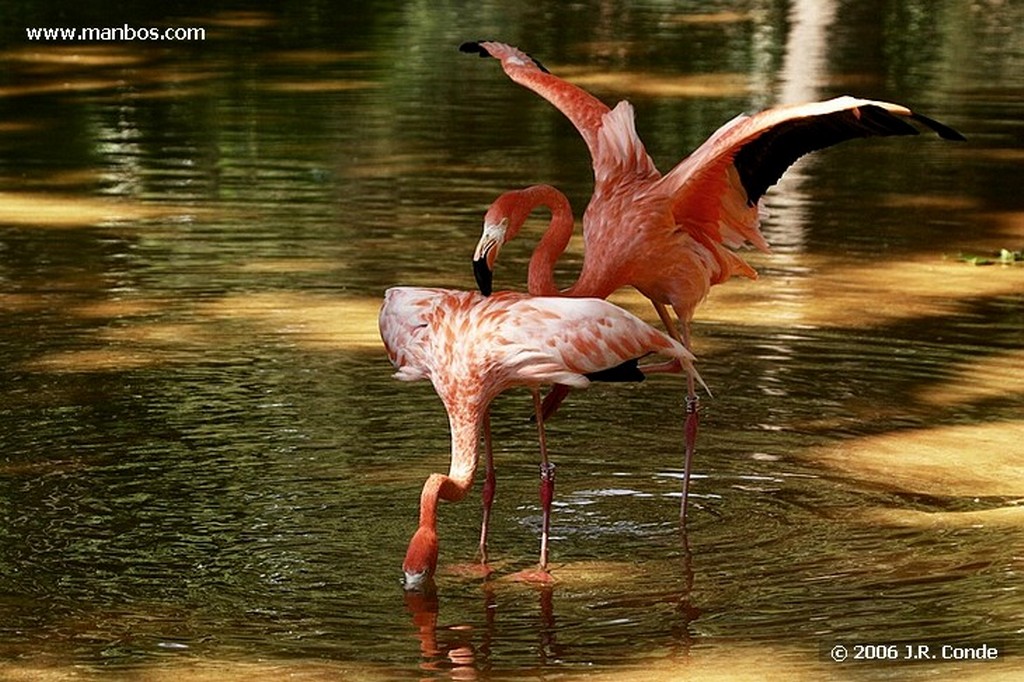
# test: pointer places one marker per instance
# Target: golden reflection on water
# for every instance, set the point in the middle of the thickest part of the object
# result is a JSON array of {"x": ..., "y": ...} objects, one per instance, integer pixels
[
  {"x": 116, "y": 308},
  {"x": 70, "y": 179},
  {"x": 312, "y": 322},
  {"x": 971, "y": 460},
  {"x": 306, "y": 86},
  {"x": 317, "y": 57},
  {"x": 651, "y": 85},
  {"x": 50, "y": 210},
  {"x": 1009, "y": 229},
  {"x": 999, "y": 517},
  {"x": 128, "y": 69},
  {"x": 84, "y": 56},
  {"x": 125, "y": 345},
  {"x": 942, "y": 203},
  {"x": 17, "y": 127},
  {"x": 712, "y": 18},
  {"x": 830, "y": 293},
  {"x": 61, "y": 86},
  {"x": 137, "y": 307},
  {"x": 208, "y": 670},
  {"x": 990, "y": 377},
  {"x": 239, "y": 19}
]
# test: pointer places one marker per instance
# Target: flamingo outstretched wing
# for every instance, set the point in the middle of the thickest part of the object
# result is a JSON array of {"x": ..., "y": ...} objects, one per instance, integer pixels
[
  {"x": 716, "y": 189},
  {"x": 584, "y": 110}
]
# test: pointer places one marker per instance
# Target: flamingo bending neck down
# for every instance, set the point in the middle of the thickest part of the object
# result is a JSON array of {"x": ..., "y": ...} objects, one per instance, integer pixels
[
  {"x": 671, "y": 236},
  {"x": 472, "y": 348}
]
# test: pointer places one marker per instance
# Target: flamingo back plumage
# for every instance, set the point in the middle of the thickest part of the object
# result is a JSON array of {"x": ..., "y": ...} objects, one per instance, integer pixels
[
  {"x": 456, "y": 338},
  {"x": 403, "y": 321},
  {"x": 565, "y": 339}
]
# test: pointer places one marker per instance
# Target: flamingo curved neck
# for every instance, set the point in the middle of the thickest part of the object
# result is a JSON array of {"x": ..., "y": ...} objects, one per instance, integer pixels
[
  {"x": 465, "y": 424},
  {"x": 421, "y": 555},
  {"x": 541, "y": 273}
]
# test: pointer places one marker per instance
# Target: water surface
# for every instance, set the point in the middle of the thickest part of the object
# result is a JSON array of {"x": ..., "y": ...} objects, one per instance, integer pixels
[{"x": 208, "y": 471}]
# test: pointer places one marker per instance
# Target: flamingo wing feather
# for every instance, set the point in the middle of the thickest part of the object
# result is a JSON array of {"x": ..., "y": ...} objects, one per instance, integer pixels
[
  {"x": 620, "y": 150},
  {"x": 715, "y": 191},
  {"x": 762, "y": 161},
  {"x": 584, "y": 336},
  {"x": 405, "y": 322}
]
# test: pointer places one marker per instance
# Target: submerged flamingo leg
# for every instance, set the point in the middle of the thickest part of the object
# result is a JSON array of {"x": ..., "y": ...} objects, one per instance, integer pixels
[
  {"x": 692, "y": 401},
  {"x": 690, "y": 429},
  {"x": 547, "y": 483},
  {"x": 490, "y": 483},
  {"x": 692, "y": 420}
]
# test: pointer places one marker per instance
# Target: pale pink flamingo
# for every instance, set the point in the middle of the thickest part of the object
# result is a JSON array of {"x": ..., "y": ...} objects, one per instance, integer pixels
[
  {"x": 473, "y": 347},
  {"x": 669, "y": 236}
]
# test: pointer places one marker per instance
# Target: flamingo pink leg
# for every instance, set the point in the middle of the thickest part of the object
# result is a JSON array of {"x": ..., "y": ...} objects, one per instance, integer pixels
[
  {"x": 690, "y": 429},
  {"x": 692, "y": 420},
  {"x": 553, "y": 400},
  {"x": 692, "y": 402},
  {"x": 490, "y": 483},
  {"x": 547, "y": 483}
]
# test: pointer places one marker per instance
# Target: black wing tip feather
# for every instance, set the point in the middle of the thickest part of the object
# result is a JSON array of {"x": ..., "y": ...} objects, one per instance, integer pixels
[
  {"x": 941, "y": 129},
  {"x": 898, "y": 126},
  {"x": 627, "y": 371},
  {"x": 761, "y": 161},
  {"x": 474, "y": 47}
]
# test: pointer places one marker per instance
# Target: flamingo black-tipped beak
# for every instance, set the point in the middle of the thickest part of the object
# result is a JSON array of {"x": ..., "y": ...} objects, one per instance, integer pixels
[
  {"x": 486, "y": 254},
  {"x": 484, "y": 276}
]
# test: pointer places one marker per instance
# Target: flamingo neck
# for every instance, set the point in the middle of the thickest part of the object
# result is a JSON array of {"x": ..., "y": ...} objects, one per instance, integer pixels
[
  {"x": 421, "y": 556},
  {"x": 465, "y": 423},
  {"x": 541, "y": 273}
]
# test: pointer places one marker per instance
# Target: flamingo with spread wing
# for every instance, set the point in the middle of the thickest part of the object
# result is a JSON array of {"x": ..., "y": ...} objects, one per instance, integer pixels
[{"x": 671, "y": 236}]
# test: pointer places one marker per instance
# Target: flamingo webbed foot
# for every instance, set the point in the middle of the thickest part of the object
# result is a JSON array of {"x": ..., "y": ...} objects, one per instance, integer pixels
[
  {"x": 533, "y": 575},
  {"x": 470, "y": 570}
]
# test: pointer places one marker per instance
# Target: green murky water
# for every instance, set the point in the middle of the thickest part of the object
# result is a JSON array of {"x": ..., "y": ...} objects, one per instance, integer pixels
[{"x": 207, "y": 471}]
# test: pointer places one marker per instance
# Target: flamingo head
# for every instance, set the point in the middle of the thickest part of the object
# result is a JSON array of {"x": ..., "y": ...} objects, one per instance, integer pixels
[
  {"x": 505, "y": 218},
  {"x": 494, "y": 236},
  {"x": 420, "y": 559}
]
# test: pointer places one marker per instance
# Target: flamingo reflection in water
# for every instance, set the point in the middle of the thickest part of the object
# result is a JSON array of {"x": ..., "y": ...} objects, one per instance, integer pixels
[
  {"x": 670, "y": 236},
  {"x": 453, "y": 647},
  {"x": 473, "y": 347},
  {"x": 464, "y": 647}
]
